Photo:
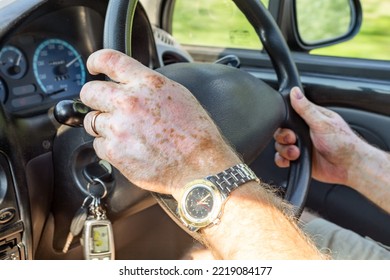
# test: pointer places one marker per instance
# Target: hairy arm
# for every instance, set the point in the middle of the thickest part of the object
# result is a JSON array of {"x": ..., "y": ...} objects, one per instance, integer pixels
[
  {"x": 371, "y": 175},
  {"x": 254, "y": 227}
]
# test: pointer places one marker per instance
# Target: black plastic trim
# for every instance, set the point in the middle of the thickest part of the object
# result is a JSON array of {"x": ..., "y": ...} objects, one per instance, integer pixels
[{"x": 287, "y": 19}]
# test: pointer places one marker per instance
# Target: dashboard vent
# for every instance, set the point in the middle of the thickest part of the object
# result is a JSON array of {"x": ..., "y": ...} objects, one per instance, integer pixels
[
  {"x": 163, "y": 37},
  {"x": 169, "y": 49}
]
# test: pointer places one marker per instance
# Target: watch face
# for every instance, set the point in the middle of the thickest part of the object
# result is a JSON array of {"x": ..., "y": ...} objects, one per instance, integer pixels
[{"x": 199, "y": 202}]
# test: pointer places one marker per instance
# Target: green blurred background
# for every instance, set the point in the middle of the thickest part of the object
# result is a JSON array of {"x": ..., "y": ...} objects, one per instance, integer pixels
[{"x": 219, "y": 23}]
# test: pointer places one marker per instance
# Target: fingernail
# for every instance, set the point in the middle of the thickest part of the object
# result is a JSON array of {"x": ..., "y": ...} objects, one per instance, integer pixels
[{"x": 297, "y": 93}]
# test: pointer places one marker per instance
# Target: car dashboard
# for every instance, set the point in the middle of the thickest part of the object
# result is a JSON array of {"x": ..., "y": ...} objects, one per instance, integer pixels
[
  {"x": 44, "y": 46},
  {"x": 44, "y": 62}
]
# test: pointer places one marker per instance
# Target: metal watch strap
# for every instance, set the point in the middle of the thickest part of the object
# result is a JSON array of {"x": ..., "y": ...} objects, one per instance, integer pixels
[{"x": 233, "y": 177}]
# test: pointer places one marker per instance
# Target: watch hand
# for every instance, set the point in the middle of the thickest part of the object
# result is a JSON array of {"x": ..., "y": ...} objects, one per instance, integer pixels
[
  {"x": 203, "y": 199},
  {"x": 205, "y": 206}
]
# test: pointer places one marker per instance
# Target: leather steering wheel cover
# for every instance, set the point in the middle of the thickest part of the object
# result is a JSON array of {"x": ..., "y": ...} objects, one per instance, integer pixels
[
  {"x": 118, "y": 25},
  {"x": 118, "y": 22}
]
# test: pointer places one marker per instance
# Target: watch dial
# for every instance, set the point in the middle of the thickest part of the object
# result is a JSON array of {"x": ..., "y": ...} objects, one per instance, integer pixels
[{"x": 199, "y": 202}]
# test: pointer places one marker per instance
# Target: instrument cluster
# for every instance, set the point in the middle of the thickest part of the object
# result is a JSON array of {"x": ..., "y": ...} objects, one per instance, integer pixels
[{"x": 38, "y": 70}]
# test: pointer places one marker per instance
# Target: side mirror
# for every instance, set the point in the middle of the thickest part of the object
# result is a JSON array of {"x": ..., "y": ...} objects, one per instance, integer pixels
[{"x": 322, "y": 23}]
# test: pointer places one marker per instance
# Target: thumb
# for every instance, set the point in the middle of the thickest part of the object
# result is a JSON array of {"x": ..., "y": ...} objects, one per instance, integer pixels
[{"x": 306, "y": 109}]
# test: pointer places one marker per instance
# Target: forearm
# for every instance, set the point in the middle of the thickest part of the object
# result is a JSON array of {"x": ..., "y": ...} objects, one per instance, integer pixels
[
  {"x": 253, "y": 227},
  {"x": 370, "y": 175}
]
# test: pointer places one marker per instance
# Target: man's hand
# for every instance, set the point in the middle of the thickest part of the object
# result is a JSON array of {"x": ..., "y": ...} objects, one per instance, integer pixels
[
  {"x": 151, "y": 128},
  {"x": 336, "y": 147}
]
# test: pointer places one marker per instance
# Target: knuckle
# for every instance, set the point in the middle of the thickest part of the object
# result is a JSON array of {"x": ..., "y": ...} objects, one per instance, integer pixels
[
  {"x": 278, "y": 133},
  {"x": 275, "y": 136},
  {"x": 87, "y": 120},
  {"x": 85, "y": 90},
  {"x": 290, "y": 152},
  {"x": 98, "y": 147},
  {"x": 88, "y": 91},
  {"x": 281, "y": 161},
  {"x": 110, "y": 62},
  {"x": 111, "y": 153},
  {"x": 109, "y": 57}
]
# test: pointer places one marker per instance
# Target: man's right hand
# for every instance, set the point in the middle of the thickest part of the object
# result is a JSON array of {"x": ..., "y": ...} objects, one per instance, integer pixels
[
  {"x": 336, "y": 148},
  {"x": 150, "y": 128}
]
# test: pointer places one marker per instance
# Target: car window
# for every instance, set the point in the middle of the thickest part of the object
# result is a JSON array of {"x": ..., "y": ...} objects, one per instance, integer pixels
[
  {"x": 373, "y": 39},
  {"x": 217, "y": 23}
]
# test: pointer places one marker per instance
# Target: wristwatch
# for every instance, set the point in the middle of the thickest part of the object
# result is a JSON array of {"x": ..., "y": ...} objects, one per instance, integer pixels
[{"x": 201, "y": 202}]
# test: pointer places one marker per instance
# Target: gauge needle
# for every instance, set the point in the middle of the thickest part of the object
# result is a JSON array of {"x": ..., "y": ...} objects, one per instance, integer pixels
[
  {"x": 57, "y": 91},
  {"x": 72, "y": 61},
  {"x": 203, "y": 200},
  {"x": 18, "y": 59}
]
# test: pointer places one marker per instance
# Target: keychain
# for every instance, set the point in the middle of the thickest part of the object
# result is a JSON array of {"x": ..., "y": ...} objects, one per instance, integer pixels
[{"x": 98, "y": 237}]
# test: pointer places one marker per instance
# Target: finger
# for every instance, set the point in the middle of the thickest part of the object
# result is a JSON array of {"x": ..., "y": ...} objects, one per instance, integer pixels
[
  {"x": 99, "y": 147},
  {"x": 306, "y": 109},
  {"x": 97, "y": 95},
  {"x": 116, "y": 65},
  {"x": 290, "y": 152},
  {"x": 281, "y": 161},
  {"x": 96, "y": 123},
  {"x": 285, "y": 136}
]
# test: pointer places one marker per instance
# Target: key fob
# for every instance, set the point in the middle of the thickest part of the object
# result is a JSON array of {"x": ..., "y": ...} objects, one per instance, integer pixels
[{"x": 98, "y": 240}]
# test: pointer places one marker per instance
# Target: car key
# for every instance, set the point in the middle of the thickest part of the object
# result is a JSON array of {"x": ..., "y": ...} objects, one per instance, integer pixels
[
  {"x": 70, "y": 112},
  {"x": 98, "y": 236},
  {"x": 77, "y": 223}
]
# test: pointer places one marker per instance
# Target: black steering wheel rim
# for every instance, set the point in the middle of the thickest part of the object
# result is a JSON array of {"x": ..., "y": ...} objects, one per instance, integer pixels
[{"x": 117, "y": 35}]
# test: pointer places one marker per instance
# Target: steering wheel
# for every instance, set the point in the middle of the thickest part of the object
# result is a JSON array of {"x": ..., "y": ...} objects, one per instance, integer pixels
[{"x": 246, "y": 109}]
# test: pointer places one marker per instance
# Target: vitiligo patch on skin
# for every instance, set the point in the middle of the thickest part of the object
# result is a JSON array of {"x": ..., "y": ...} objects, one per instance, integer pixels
[
  {"x": 156, "y": 132},
  {"x": 156, "y": 81}
]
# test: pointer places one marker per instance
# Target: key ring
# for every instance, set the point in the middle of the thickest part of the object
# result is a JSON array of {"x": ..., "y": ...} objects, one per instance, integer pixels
[
  {"x": 98, "y": 181},
  {"x": 86, "y": 200}
]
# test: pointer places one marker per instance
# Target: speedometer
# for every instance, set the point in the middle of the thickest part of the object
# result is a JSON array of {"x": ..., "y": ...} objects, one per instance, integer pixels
[{"x": 58, "y": 68}]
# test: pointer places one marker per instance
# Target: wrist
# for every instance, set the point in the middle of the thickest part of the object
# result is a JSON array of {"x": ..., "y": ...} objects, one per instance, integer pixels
[
  {"x": 370, "y": 176},
  {"x": 252, "y": 216},
  {"x": 203, "y": 168},
  {"x": 365, "y": 161},
  {"x": 202, "y": 201}
]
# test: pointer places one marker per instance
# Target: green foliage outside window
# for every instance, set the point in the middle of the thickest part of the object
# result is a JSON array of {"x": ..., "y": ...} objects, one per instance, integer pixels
[
  {"x": 373, "y": 40},
  {"x": 219, "y": 23},
  {"x": 213, "y": 23}
]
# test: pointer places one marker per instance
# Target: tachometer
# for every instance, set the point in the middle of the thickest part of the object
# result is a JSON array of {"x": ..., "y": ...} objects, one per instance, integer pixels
[
  {"x": 58, "y": 67},
  {"x": 13, "y": 63}
]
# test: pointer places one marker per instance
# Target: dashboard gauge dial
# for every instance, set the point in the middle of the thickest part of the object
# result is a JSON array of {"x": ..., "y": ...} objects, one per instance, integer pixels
[
  {"x": 58, "y": 68},
  {"x": 13, "y": 63}
]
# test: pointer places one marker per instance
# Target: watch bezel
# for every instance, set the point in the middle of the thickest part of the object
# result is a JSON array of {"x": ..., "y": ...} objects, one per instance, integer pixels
[{"x": 213, "y": 214}]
